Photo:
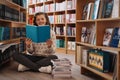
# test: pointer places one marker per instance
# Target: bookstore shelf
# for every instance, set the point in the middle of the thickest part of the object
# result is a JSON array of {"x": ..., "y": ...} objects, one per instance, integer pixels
[
  {"x": 60, "y": 35},
  {"x": 99, "y": 47},
  {"x": 32, "y": 5},
  {"x": 59, "y": 23},
  {"x": 60, "y": 12},
  {"x": 31, "y": 15},
  {"x": 38, "y": 4},
  {"x": 103, "y": 19},
  {"x": 71, "y": 23},
  {"x": 49, "y": 2},
  {"x": 9, "y": 21},
  {"x": 107, "y": 76},
  {"x": 70, "y": 36},
  {"x": 10, "y": 41},
  {"x": 85, "y": 21},
  {"x": 11, "y": 4},
  {"x": 71, "y": 10},
  {"x": 50, "y": 13}
]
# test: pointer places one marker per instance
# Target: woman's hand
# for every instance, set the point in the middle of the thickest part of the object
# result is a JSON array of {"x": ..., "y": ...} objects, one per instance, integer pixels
[
  {"x": 28, "y": 42},
  {"x": 49, "y": 43}
]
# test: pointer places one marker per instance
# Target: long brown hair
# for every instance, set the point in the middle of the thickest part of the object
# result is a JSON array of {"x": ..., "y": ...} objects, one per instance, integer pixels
[{"x": 41, "y": 13}]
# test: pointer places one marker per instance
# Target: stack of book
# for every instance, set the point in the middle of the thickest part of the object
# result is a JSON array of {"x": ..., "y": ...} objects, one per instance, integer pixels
[{"x": 62, "y": 68}]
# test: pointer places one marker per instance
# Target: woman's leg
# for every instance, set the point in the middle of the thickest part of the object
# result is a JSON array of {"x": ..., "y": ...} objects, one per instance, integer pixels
[
  {"x": 46, "y": 61},
  {"x": 27, "y": 60}
]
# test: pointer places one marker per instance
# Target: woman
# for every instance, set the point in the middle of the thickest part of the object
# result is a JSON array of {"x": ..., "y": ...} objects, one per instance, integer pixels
[{"x": 35, "y": 61}]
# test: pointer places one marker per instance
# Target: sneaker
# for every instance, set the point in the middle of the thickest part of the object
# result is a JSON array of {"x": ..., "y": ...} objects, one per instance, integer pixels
[
  {"x": 22, "y": 68},
  {"x": 47, "y": 69}
]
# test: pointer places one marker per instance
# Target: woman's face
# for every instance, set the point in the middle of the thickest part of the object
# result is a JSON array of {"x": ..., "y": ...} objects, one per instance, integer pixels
[{"x": 40, "y": 20}]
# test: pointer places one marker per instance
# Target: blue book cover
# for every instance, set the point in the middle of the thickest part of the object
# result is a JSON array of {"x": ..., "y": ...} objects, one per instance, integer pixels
[
  {"x": 38, "y": 33},
  {"x": 115, "y": 38}
]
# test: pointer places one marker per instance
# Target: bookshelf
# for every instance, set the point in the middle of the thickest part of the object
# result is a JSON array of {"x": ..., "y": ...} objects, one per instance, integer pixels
[
  {"x": 59, "y": 18},
  {"x": 101, "y": 24},
  {"x": 12, "y": 15}
]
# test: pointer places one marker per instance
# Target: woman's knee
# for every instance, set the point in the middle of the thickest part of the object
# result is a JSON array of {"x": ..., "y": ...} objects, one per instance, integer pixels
[{"x": 53, "y": 57}]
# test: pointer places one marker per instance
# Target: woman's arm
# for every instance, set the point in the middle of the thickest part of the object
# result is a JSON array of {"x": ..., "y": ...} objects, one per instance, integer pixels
[
  {"x": 29, "y": 46},
  {"x": 51, "y": 43}
]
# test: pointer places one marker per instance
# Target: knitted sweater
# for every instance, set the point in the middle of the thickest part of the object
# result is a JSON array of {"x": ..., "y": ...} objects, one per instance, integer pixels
[{"x": 41, "y": 49}]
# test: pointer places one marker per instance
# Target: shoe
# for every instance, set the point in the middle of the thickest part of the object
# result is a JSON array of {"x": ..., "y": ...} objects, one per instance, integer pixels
[
  {"x": 22, "y": 68},
  {"x": 47, "y": 69}
]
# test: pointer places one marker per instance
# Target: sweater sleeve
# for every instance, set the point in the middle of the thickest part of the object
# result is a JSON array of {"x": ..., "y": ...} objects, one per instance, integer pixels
[
  {"x": 30, "y": 49},
  {"x": 51, "y": 50}
]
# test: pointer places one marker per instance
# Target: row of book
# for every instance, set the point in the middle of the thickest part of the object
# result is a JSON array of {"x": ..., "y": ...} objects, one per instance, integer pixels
[
  {"x": 4, "y": 33},
  {"x": 53, "y": 7},
  {"x": 71, "y": 45},
  {"x": 6, "y": 12},
  {"x": 100, "y": 60},
  {"x": 70, "y": 18},
  {"x": 62, "y": 67},
  {"x": 101, "y": 9},
  {"x": 112, "y": 37},
  {"x": 22, "y": 17},
  {"x": 51, "y": 19},
  {"x": 71, "y": 31},
  {"x": 6, "y": 51},
  {"x": 59, "y": 18},
  {"x": 20, "y": 2},
  {"x": 59, "y": 30},
  {"x": 60, "y": 43},
  {"x": 18, "y": 32},
  {"x": 88, "y": 35}
]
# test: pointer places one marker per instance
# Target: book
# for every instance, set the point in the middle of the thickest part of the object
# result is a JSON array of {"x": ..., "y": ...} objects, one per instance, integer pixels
[
  {"x": 96, "y": 9},
  {"x": 109, "y": 8},
  {"x": 38, "y": 33},
  {"x": 107, "y": 36},
  {"x": 115, "y": 38}
]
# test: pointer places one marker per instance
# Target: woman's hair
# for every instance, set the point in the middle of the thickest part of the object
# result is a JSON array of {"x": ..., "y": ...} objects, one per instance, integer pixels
[{"x": 41, "y": 13}]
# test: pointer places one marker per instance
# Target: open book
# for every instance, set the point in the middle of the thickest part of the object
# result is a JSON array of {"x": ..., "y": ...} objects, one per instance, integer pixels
[{"x": 38, "y": 33}]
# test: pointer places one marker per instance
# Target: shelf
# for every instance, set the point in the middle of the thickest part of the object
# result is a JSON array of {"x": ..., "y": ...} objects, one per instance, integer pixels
[
  {"x": 104, "y": 19},
  {"x": 71, "y": 23},
  {"x": 31, "y": 5},
  {"x": 70, "y": 36},
  {"x": 59, "y": 23},
  {"x": 12, "y": 4},
  {"x": 107, "y": 76},
  {"x": 9, "y": 21},
  {"x": 48, "y": 2},
  {"x": 39, "y": 4},
  {"x": 31, "y": 15},
  {"x": 71, "y": 10},
  {"x": 60, "y": 35},
  {"x": 60, "y": 12},
  {"x": 85, "y": 21},
  {"x": 10, "y": 41},
  {"x": 100, "y": 47},
  {"x": 50, "y": 13}
]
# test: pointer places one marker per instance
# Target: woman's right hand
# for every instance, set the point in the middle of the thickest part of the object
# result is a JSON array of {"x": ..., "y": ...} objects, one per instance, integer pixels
[{"x": 28, "y": 42}]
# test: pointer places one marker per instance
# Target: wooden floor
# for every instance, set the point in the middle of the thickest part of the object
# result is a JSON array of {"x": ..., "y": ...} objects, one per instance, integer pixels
[{"x": 9, "y": 72}]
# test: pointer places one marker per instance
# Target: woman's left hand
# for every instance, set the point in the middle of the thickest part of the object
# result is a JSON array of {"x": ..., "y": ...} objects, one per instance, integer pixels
[{"x": 49, "y": 43}]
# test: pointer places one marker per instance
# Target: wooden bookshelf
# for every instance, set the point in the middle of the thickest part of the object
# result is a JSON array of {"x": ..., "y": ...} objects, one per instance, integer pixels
[
  {"x": 12, "y": 23},
  {"x": 60, "y": 12},
  {"x": 101, "y": 24}
]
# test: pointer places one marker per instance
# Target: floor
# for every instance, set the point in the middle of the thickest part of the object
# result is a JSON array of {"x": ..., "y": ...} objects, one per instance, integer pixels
[{"x": 9, "y": 72}]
